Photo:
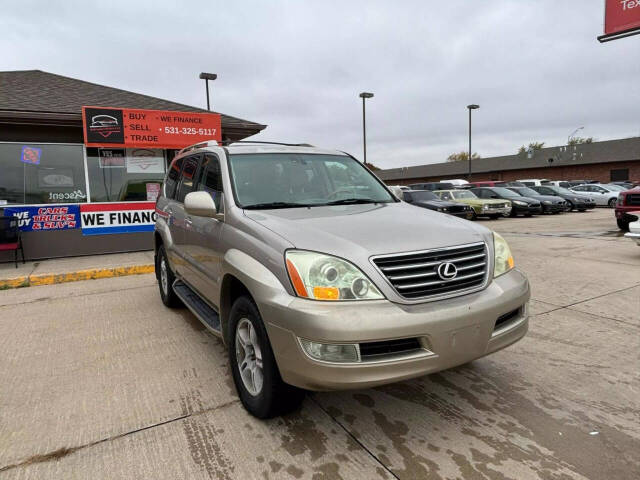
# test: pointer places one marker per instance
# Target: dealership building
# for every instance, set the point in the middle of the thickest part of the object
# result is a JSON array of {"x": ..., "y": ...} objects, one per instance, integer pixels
[
  {"x": 81, "y": 164},
  {"x": 608, "y": 161}
]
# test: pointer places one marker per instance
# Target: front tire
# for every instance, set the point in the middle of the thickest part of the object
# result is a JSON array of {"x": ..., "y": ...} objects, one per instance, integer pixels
[
  {"x": 622, "y": 224},
  {"x": 165, "y": 280},
  {"x": 612, "y": 202},
  {"x": 253, "y": 365}
]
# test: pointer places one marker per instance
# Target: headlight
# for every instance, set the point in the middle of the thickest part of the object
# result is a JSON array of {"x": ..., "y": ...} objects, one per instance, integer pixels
[
  {"x": 546, "y": 202},
  {"x": 485, "y": 207},
  {"x": 502, "y": 254},
  {"x": 439, "y": 209},
  {"x": 518, "y": 202},
  {"x": 445, "y": 209},
  {"x": 324, "y": 277}
]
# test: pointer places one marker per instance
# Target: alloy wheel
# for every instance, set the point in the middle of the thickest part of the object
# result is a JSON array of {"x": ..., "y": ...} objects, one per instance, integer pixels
[{"x": 249, "y": 356}]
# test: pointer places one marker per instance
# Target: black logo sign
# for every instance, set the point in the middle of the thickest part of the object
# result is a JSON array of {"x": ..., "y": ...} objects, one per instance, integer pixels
[{"x": 104, "y": 125}]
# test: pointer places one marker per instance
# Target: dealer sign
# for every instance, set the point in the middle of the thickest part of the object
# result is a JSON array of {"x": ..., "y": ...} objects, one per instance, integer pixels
[
  {"x": 621, "y": 19},
  {"x": 127, "y": 127}
]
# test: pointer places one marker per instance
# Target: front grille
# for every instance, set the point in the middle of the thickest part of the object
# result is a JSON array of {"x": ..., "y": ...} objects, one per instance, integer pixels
[
  {"x": 415, "y": 275},
  {"x": 496, "y": 205},
  {"x": 376, "y": 350},
  {"x": 457, "y": 209},
  {"x": 633, "y": 199}
]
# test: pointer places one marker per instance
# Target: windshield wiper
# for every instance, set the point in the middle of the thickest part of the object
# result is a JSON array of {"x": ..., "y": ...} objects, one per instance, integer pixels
[
  {"x": 352, "y": 201},
  {"x": 268, "y": 205}
]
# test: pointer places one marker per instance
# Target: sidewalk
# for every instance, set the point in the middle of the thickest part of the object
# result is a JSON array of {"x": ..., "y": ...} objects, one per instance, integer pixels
[{"x": 60, "y": 270}]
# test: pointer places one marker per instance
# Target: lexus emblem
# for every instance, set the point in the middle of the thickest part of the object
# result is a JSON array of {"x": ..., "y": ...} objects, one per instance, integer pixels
[{"x": 447, "y": 271}]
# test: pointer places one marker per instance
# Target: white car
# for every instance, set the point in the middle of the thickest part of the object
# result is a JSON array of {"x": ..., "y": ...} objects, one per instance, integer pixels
[
  {"x": 558, "y": 183},
  {"x": 458, "y": 182},
  {"x": 634, "y": 229},
  {"x": 533, "y": 182},
  {"x": 603, "y": 195}
]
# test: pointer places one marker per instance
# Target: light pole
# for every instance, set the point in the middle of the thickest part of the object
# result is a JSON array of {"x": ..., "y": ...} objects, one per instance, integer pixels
[
  {"x": 363, "y": 96},
  {"x": 470, "y": 107},
  {"x": 206, "y": 77},
  {"x": 573, "y": 133}
]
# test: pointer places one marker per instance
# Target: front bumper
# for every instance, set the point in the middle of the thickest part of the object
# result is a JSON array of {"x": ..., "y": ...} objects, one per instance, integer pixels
[
  {"x": 452, "y": 332},
  {"x": 526, "y": 209},
  {"x": 553, "y": 208},
  {"x": 493, "y": 211}
]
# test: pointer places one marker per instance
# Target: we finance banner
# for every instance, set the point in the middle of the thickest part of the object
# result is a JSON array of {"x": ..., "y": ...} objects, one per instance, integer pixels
[
  {"x": 128, "y": 127},
  {"x": 109, "y": 218}
]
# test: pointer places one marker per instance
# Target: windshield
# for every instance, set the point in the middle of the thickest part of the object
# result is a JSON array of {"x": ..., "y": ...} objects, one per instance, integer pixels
[
  {"x": 423, "y": 195},
  {"x": 527, "y": 192},
  {"x": 463, "y": 194},
  {"x": 283, "y": 180},
  {"x": 505, "y": 192},
  {"x": 562, "y": 190}
]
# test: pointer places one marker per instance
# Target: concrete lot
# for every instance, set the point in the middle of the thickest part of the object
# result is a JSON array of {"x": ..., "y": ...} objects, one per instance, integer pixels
[{"x": 99, "y": 380}]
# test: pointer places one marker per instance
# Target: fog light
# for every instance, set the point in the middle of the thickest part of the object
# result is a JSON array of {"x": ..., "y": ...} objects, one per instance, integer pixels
[{"x": 328, "y": 352}]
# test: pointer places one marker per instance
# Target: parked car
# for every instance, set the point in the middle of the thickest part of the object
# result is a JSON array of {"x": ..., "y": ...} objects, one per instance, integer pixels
[
  {"x": 427, "y": 199},
  {"x": 572, "y": 199},
  {"x": 317, "y": 278},
  {"x": 573, "y": 183},
  {"x": 634, "y": 230},
  {"x": 519, "y": 205},
  {"x": 530, "y": 182},
  {"x": 603, "y": 195},
  {"x": 557, "y": 183},
  {"x": 486, "y": 183},
  {"x": 431, "y": 186},
  {"x": 550, "y": 203},
  {"x": 457, "y": 182},
  {"x": 627, "y": 185},
  {"x": 627, "y": 207},
  {"x": 481, "y": 207}
]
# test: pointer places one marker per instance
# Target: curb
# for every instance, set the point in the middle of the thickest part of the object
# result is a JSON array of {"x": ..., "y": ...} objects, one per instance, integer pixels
[{"x": 89, "y": 274}]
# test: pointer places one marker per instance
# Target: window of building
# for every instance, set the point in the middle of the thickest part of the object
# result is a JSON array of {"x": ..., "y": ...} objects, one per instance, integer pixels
[
  {"x": 620, "y": 175},
  {"x": 41, "y": 173},
  {"x": 118, "y": 174}
]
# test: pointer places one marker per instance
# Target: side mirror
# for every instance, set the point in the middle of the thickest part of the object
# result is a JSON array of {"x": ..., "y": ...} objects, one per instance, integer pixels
[{"x": 200, "y": 204}]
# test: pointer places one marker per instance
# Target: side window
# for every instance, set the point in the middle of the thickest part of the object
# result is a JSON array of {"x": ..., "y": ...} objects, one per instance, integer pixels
[
  {"x": 187, "y": 179},
  {"x": 211, "y": 179},
  {"x": 172, "y": 178}
]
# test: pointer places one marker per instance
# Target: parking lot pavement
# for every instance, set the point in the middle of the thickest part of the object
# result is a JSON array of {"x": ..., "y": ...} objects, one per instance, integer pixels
[{"x": 99, "y": 380}]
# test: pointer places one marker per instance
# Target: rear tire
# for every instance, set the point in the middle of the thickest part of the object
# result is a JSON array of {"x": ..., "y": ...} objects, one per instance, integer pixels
[
  {"x": 165, "y": 280},
  {"x": 570, "y": 206},
  {"x": 622, "y": 224},
  {"x": 253, "y": 365}
]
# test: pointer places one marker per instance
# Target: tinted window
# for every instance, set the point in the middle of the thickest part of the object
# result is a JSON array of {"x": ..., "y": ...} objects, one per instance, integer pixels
[
  {"x": 504, "y": 192},
  {"x": 187, "y": 179},
  {"x": 211, "y": 178},
  {"x": 172, "y": 178}
]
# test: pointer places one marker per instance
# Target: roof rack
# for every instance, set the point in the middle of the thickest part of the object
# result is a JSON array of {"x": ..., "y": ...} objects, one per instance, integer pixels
[
  {"x": 195, "y": 146},
  {"x": 269, "y": 143}
]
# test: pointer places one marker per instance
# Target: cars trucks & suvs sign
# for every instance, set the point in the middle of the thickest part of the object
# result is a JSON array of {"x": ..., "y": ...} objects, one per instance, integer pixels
[{"x": 127, "y": 127}]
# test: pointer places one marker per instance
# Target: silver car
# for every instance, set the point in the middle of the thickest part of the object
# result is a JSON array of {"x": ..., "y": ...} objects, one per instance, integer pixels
[
  {"x": 317, "y": 278},
  {"x": 603, "y": 195}
]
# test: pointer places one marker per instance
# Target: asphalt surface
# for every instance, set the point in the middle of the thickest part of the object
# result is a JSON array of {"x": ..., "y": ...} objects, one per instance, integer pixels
[{"x": 99, "y": 380}]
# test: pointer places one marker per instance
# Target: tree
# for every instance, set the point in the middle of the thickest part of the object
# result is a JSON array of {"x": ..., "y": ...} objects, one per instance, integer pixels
[
  {"x": 580, "y": 140},
  {"x": 532, "y": 146},
  {"x": 462, "y": 157}
]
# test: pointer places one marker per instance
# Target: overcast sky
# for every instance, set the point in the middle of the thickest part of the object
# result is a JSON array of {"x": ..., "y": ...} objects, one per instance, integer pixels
[{"x": 534, "y": 67}]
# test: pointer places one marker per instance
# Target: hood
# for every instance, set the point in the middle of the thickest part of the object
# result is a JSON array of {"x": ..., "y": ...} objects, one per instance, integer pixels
[{"x": 359, "y": 231}]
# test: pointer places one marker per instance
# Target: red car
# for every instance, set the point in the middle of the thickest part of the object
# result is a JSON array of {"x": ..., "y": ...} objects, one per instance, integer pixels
[{"x": 628, "y": 201}]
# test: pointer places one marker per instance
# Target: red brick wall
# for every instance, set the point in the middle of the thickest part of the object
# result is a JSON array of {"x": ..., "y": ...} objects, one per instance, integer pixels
[{"x": 599, "y": 171}]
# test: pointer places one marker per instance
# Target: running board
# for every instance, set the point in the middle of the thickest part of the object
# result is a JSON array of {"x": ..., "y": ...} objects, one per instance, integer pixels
[{"x": 207, "y": 315}]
